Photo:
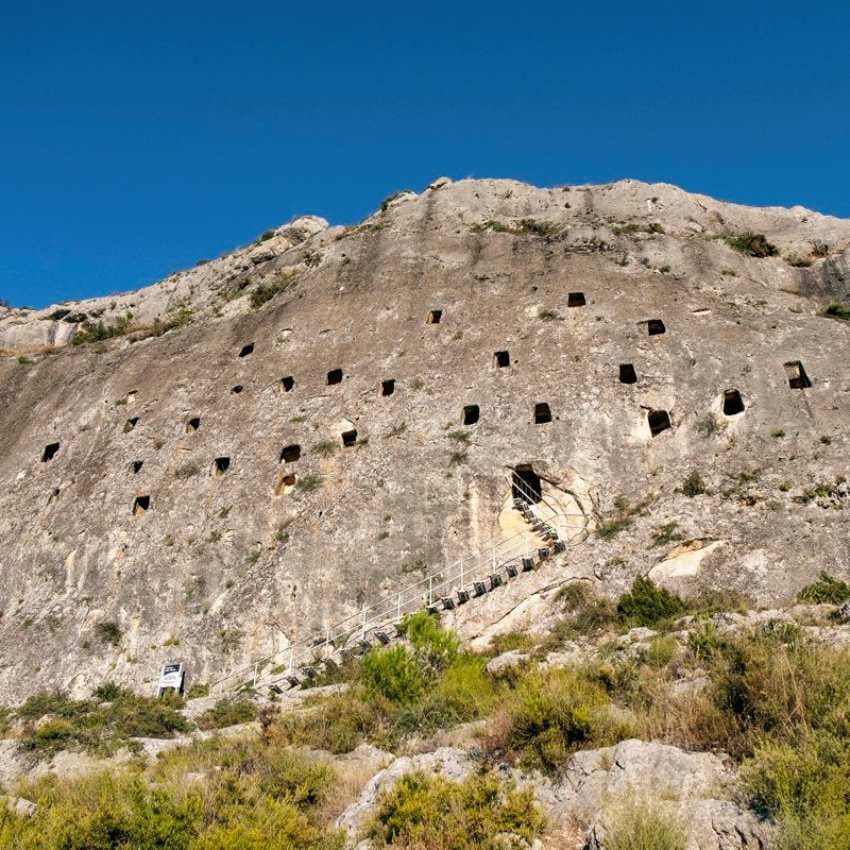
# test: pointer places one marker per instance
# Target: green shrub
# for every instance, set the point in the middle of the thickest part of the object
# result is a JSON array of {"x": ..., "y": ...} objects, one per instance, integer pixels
[
  {"x": 422, "y": 812},
  {"x": 100, "y": 332},
  {"x": 464, "y": 691},
  {"x": 550, "y": 714},
  {"x": 661, "y": 650},
  {"x": 339, "y": 723},
  {"x": 275, "y": 824},
  {"x": 752, "y": 244},
  {"x": 803, "y": 786},
  {"x": 438, "y": 645},
  {"x": 643, "y": 825},
  {"x": 394, "y": 674},
  {"x": 586, "y": 615},
  {"x": 97, "y": 726},
  {"x": 227, "y": 712},
  {"x": 693, "y": 485},
  {"x": 250, "y": 794},
  {"x": 108, "y": 631},
  {"x": 825, "y": 589},
  {"x": 647, "y": 605},
  {"x": 264, "y": 292},
  {"x": 839, "y": 311},
  {"x": 512, "y": 642}
]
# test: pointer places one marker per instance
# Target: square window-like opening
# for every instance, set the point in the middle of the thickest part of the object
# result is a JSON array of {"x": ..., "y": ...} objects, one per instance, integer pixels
[
  {"x": 471, "y": 414},
  {"x": 349, "y": 438},
  {"x": 576, "y": 299},
  {"x": 193, "y": 424},
  {"x": 655, "y": 327},
  {"x": 434, "y": 317},
  {"x": 627, "y": 374},
  {"x": 136, "y": 466},
  {"x": 542, "y": 413},
  {"x": 289, "y": 454},
  {"x": 141, "y": 504},
  {"x": 246, "y": 349},
  {"x": 50, "y": 451},
  {"x": 502, "y": 359},
  {"x": 334, "y": 377},
  {"x": 733, "y": 404},
  {"x": 221, "y": 465},
  {"x": 388, "y": 387},
  {"x": 797, "y": 377},
  {"x": 659, "y": 420}
]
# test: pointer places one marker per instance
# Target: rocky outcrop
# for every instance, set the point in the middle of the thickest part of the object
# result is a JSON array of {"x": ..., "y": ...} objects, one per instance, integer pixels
[
  {"x": 696, "y": 787},
  {"x": 150, "y": 514}
]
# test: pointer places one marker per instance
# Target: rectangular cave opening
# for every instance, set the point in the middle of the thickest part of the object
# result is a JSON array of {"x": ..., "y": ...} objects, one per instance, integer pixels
[
  {"x": 334, "y": 377},
  {"x": 287, "y": 383},
  {"x": 50, "y": 451},
  {"x": 141, "y": 504},
  {"x": 797, "y": 377},
  {"x": 221, "y": 465},
  {"x": 388, "y": 387},
  {"x": 136, "y": 466},
  {"x": 655, "y": 327},
  {"x": 542, "y": 413},
  {"x": 627, "y": 374},
  {"x": 246, "y": 349},
  {"x": 733, "y": 403},
  {"x": 576, "y": 299},
  {"x": 291, "y": 453},
  {"x": 502, "y": 359},
  {"x": 471, "y": 414},
  {"x": 193, "y": 424},
  {"x": 525, "y": 484},
  {"x": 434, "y": 317},
  {"x": 659, "y": 420},
  {"x": 349, "y": 438}
]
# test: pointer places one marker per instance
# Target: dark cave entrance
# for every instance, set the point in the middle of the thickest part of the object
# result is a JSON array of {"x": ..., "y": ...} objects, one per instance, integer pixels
[{"x": 526, "y": 484}]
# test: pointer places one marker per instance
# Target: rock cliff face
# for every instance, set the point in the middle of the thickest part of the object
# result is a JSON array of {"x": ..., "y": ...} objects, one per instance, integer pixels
[{"x": 272, "y": 438}]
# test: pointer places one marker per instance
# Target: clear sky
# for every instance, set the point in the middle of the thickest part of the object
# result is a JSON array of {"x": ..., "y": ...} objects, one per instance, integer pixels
[{"x": 138, "y": 138}]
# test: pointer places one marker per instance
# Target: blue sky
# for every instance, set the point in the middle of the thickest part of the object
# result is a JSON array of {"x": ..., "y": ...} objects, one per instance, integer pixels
[{"x": 137, "y": 139}]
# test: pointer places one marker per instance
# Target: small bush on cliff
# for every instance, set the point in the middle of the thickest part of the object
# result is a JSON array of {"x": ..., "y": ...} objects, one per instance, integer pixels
[
  {"x": 422, "y": 812},
  {"x": 247, "y": 795},
  {"x": 398, "y": 690},
  {"x": 752, "y": 244},
  {"x": 839, "y": 311},
  {"x": 647, "y": 605},
  {"x": 550, "y": 714},
  {"x": 100, "y": 725},
  {"x": 227, "y": 712},
  {"x": 825, "y": 589},
  {"x": 642, "y": 825}
]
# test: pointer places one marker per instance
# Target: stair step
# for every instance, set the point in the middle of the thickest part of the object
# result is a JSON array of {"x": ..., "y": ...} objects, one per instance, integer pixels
[
  {"x": 383, "y": 637},
  {"x": 511, "y": 570},
  {"x": 462, "y": 597},
  {"x": 448, "y": 603},
  {"x": 480, "y": 588},
  {"x": 527, "y": 565},
  {"x": 543, "y": 553}
]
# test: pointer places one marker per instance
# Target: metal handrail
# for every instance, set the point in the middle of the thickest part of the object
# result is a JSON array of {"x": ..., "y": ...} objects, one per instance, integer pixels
[{"x": 408, "y": 599}]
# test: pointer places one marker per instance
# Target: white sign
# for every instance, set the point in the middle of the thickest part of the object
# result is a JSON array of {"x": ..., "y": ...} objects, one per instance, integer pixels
[{"x": 171, "y": 677}]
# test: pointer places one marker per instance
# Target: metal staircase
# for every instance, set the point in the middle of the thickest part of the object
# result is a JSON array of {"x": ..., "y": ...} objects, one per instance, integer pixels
[{"x": 549, "y": 529}]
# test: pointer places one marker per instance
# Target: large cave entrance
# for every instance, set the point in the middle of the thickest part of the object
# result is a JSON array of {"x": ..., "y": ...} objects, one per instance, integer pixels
[{"x": 526, "y": 484}]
